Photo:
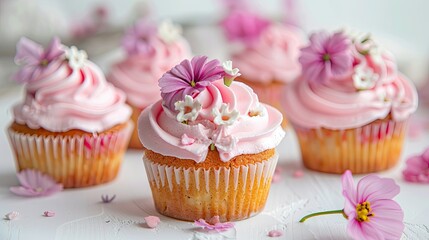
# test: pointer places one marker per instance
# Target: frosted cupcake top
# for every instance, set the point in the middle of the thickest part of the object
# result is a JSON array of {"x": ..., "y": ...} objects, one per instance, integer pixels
[
  {"x": 348, "y": 81},
  {"x": 151, "y": 51},
  {"x": 268, "y": 52},
  {"x": 65, "y": 91},
  {"x": 202, "y": 109}
]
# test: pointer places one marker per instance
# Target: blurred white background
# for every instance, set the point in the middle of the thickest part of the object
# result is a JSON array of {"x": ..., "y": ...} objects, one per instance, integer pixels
[{"x": 398, "y": 24}]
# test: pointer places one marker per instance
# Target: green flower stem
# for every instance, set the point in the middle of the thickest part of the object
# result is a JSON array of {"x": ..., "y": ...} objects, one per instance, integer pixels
[{"x": 323, "y": 213}]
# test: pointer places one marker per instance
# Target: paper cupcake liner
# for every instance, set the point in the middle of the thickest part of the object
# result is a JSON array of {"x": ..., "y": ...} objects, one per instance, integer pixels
[
  {"x": 192, "y": 193},
  {"x": 371, "y": 148},
  {"x": 74, "y": 161},
  {"x": 270, "y": 94}
]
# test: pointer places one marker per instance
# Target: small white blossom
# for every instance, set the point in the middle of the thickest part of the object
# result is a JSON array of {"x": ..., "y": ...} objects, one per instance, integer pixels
[
  {"x": 257, "y": 111},
  {"x": 76, "y": 57},
  {"x": 224, "y": 116},
  {"x": 364, "y": 78},
  {"x": 363, "y": 41},
  {"x": 230, "y": 73},
  {"x": 169, "y": 32},
  {"x": 188, "y": 109},
  {"x": 227, "y": 67}
]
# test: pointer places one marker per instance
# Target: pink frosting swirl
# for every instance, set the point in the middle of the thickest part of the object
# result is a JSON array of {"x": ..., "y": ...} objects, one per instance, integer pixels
[
  {"x": 273, "y": 57},
  {"x": 160, "y": 131},
  {"x": 137, "y": 75},
  {"x": 63, "y": 99},
  {"x": 337, "y": 104}
]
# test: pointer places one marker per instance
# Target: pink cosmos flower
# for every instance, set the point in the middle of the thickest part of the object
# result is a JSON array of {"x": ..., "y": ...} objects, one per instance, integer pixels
[
  {"x": 417, "y": 169},
  {"x": 138, "y": 38},
  {"x": 371, "y": 212},
  {"x": 244, "y": 26},
  {"x": 34, "y": 59},
  {"x": 369, "y": 208},
  {"x": 328, "y": 56},
  {"x": 188, "y": 78},
  {"x": 35, "y": 184},
  {"x": 214, "y": 224}
]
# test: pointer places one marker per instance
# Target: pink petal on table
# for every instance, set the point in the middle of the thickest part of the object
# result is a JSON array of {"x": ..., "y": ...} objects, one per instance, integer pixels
[
  {"x": 275, "y": 233},
  {"x": 298, "y": 174},
  {"x": 214, "y": 224},
  {"x": 277, "y": 177},
  {"x": 49, "y": 214},
  {"x": 12, "y": 215},
  {"x": 152, "y": 221},
  {"x": 34, "y": 183}
]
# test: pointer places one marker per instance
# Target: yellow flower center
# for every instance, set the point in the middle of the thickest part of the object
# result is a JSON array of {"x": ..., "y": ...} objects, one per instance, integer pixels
[
  {"x": 193, "y": 83},
  {"x": 225, "y": 118},
  {"x": 364, "y": 211},
  {"x": 326, "y": 57},
  {"x": 44, "y": 62}
]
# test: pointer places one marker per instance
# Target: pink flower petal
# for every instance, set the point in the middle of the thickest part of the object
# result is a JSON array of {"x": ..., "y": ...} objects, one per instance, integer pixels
[
  {"x": 349, "y": 193},
  {"x": 387, "y": 210},
  {"x": 152, "y": 221},
  {"x": 214, "y": 224},
  {"x": 277, "y": 177},
  {"x": 371, "y": 188},
  {"x": 28, "y": 51},
  {"x": 49, "y": 214},
  {"x": 298, "y": 174},
  {"x": 12, "y": 215},
  {"x": 186, "y": 140},
  {"x": 35, "y": 183},
  {"x": 275, "y": 233}
]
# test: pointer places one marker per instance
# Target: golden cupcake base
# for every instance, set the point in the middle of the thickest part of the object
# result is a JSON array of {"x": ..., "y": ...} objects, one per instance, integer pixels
[
  {"x": 74, "y": 158},
  {"x": 188, "y": 191},
  {"x": 371, "y": 148}
]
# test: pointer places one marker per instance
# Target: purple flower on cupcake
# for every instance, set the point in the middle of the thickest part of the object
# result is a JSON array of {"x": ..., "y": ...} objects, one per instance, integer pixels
[
  {"x": 189, "y": 77},
  {"x": 328, "y": 56},
  {"x": 137, "y": 39},
  {"x": 244, "y": 26},
  {"x": 347, "y": 56},
  {"x": 35, "y": 59}
]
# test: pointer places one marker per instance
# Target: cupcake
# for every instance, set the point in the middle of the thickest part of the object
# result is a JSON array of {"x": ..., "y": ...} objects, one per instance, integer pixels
[
  {"x": 72, "y": 124},
  {"x": 267, "y": 54},
  {"x": 151, "y": 50},
  {"x": 351, "y": 105},
  {"x": 209, "y": 144}
]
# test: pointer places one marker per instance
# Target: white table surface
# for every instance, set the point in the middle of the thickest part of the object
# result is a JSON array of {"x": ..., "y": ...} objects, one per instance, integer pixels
[{"x": 81, "y": 215}]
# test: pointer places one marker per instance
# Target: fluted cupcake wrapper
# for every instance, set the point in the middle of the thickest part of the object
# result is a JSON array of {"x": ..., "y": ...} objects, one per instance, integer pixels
[
  {"x": 192, "y": 193},
  {"x": 371, "y": 148},
  {"x": 74, "y": 161}
]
